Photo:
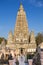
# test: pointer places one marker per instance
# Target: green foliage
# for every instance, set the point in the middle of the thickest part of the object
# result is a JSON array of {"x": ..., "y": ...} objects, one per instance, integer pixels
[
  {"x": 39, "y": 38},
  {"x": 30, "y": 56},
  {"x": 1, "y": 39}
]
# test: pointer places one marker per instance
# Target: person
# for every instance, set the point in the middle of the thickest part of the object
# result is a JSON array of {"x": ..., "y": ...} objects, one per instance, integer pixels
[
  {"x": 0, "y": 54},
  {"x": 21, "y": 60},
  {"x": 6, "y": 59},
  {"x": 10, "y": 56},
  {"x": 2, "y": 58},
  {"x": 17, "y": 62},
  {"x": 14, "y": 60}
]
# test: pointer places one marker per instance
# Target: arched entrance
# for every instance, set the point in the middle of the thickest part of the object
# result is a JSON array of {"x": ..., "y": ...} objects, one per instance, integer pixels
[{"x": 21, "y": 50}]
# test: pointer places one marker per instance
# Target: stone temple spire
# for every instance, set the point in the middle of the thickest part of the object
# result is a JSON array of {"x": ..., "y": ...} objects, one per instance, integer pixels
[
  {"x": 10, "y": 42},
  {"x": 21, "y": 39},
  {"x": 21, "y": 29},
  {"x": 10, "y": 38},
  {"x": 21, "y": 7},
  {"x": 32, "y": 37}
]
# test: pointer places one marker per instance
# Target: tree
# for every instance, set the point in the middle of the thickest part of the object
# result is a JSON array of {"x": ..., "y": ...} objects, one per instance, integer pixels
[
  {"x": 1, "y": 39},
  {"x": 39, "y": 38}
]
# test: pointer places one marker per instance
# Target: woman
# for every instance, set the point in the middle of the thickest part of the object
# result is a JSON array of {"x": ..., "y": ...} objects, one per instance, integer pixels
[
  {"x": 21, "y": 60},
  {"x": 14, "y": 60}
]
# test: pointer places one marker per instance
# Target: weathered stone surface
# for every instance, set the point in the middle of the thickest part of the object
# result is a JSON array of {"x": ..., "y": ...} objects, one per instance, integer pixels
[{"x": 21, "y": 34}]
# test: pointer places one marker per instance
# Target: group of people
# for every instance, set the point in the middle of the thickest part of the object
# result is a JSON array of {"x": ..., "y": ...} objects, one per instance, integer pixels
[
  {"x": 10, "y": 60},
  {"x": 4, "y": 59},
  {"x": 20, "y": 60}
]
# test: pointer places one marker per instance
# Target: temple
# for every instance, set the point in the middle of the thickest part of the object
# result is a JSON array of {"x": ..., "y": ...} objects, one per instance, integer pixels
[{"x": 22, "y": 39}]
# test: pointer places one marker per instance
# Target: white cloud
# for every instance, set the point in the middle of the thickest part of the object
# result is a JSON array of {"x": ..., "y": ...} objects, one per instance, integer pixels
[
  {"x": 38, "y": 3},
  {"x": 32, "y": 1}
]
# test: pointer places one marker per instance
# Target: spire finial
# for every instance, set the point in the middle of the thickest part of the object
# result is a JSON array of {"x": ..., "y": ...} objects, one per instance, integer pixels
[
  {"x": 21, "y": 6},
  {"x": 20, "y": 3}
]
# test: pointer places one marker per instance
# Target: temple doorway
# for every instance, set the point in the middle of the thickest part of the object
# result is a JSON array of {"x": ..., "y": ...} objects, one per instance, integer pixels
[{"x": 21, "y": 50}]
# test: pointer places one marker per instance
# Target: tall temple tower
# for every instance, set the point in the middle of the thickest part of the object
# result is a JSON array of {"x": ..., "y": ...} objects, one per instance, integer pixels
[
  {"x": 21, "y": 41},
  {"x": 10, "y": 41},
  {"x": 21, "y": 33},
  {"x": 10, "y": 38}
]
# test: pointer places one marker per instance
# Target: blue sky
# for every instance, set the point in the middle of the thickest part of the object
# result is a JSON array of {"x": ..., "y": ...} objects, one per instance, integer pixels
[{"x": 8, "y": 13}]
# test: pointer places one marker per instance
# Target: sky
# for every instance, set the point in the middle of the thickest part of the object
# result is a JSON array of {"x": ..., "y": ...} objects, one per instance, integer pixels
[{"x": 8, "y": 13}]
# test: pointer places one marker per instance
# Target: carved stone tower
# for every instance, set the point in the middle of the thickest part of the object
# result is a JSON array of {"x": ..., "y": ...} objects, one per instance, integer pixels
[
  {"x": 10, "y": 38},
  {"x": 20, "y": 39},
  {"x": 32, "y": 37},
  {"x": 21, "y": 33},
  {"x": 10, "y": 41}
]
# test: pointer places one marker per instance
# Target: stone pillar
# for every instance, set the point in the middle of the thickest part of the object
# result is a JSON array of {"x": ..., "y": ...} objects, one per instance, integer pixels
[{"x": 30, "y": 61}]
